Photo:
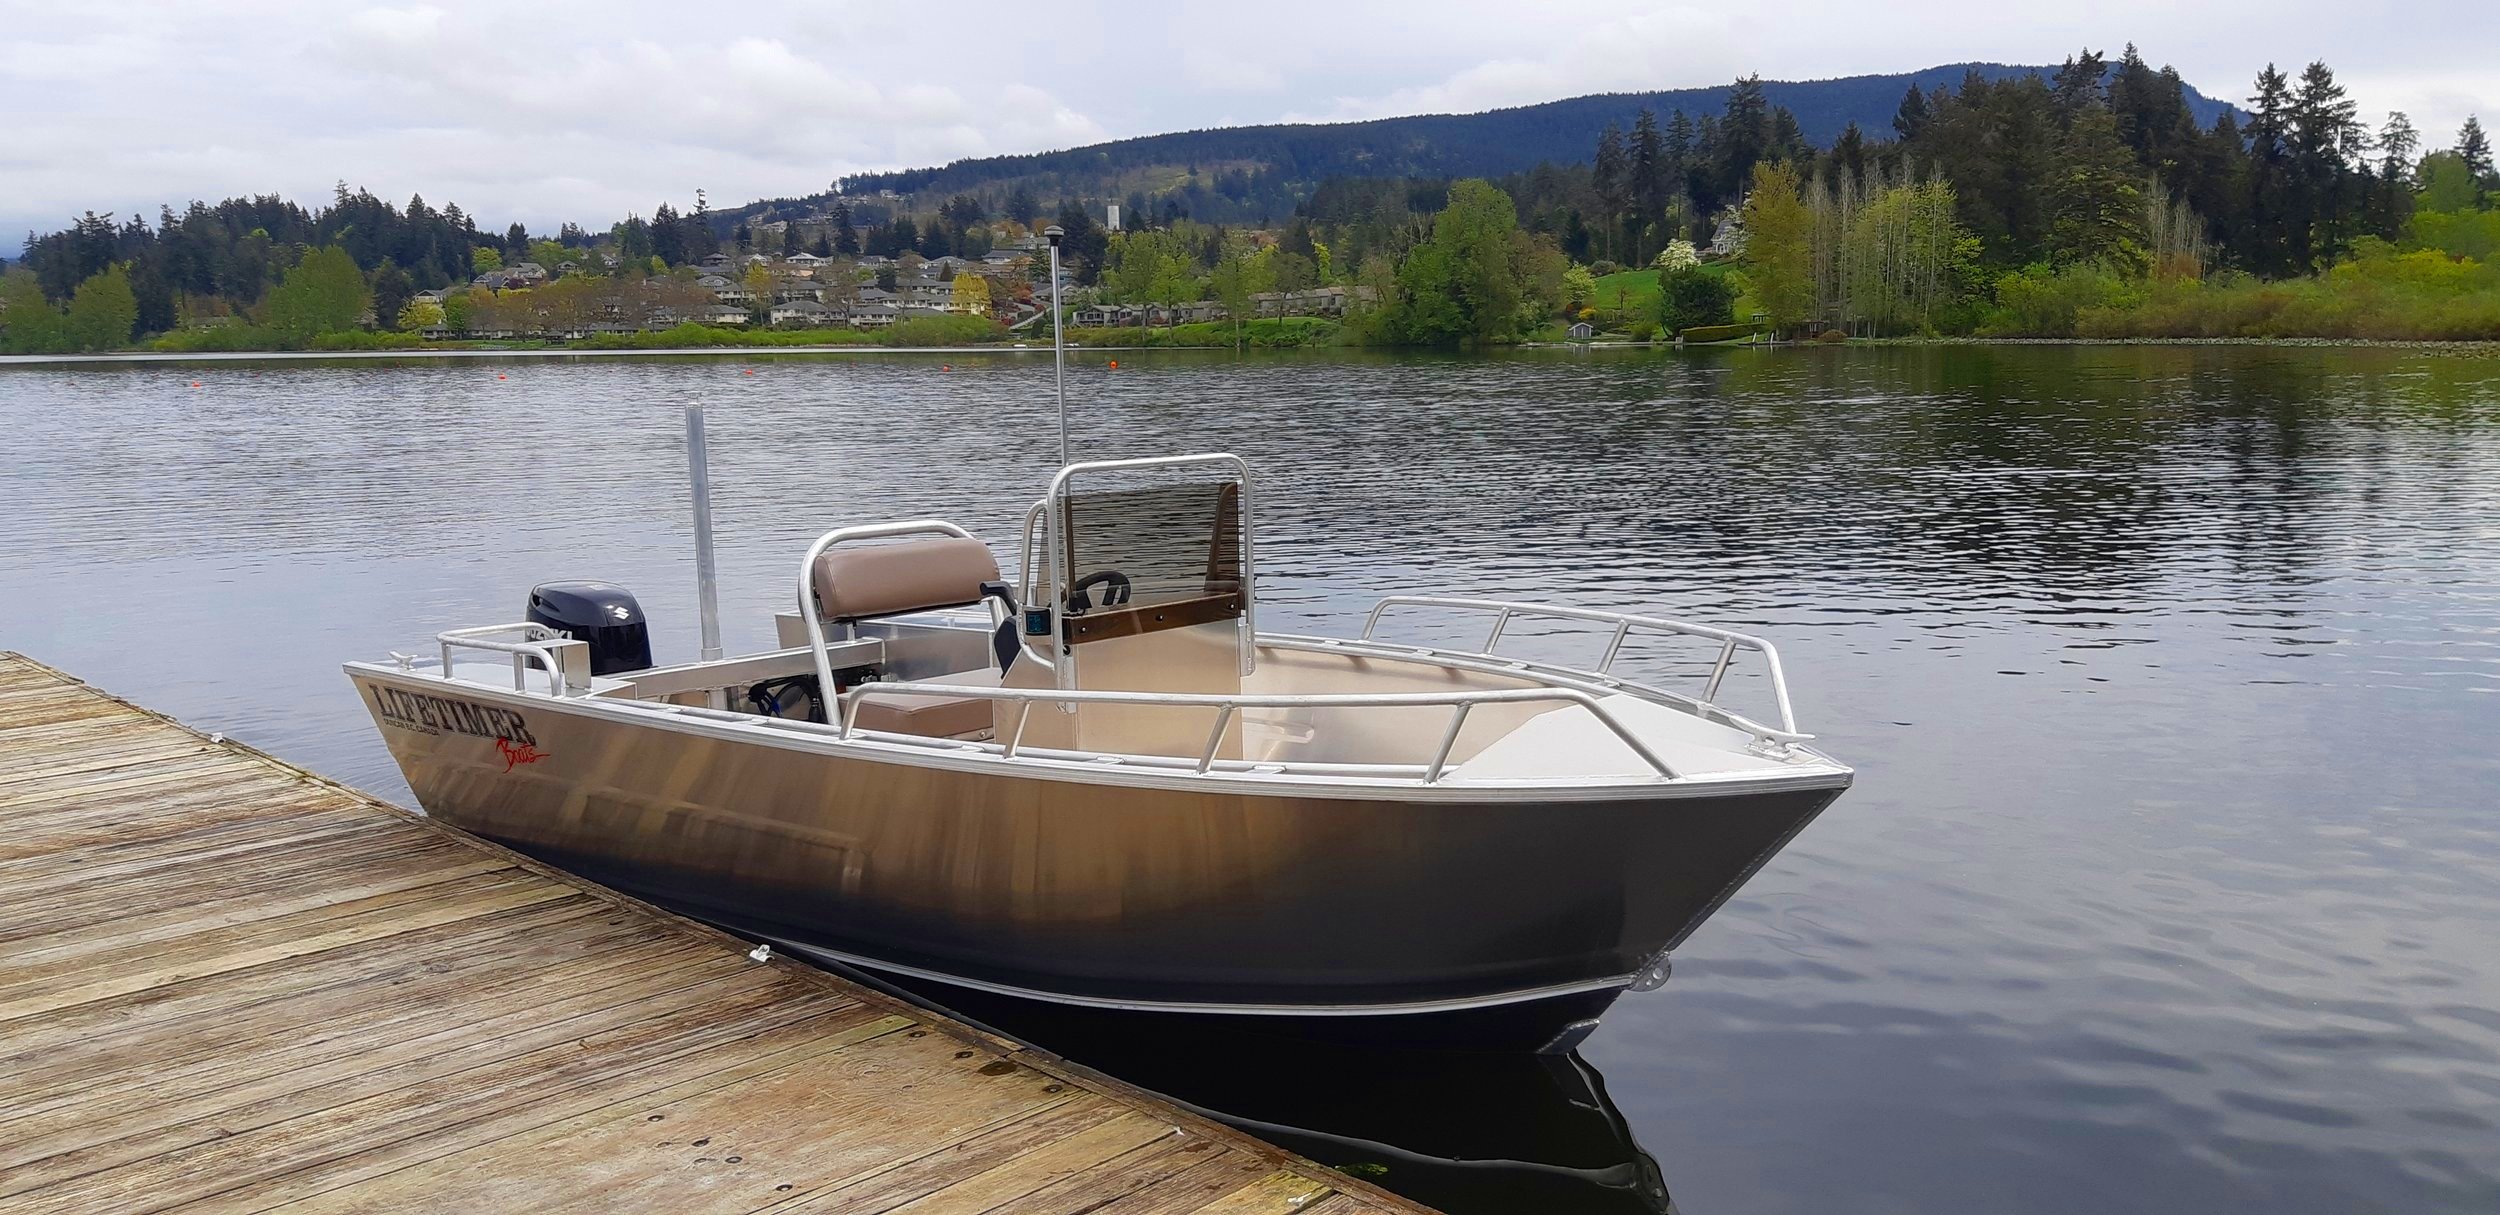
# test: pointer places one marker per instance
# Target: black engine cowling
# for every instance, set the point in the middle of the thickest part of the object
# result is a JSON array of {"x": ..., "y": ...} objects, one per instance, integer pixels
[{"x": 600, "y": 613}]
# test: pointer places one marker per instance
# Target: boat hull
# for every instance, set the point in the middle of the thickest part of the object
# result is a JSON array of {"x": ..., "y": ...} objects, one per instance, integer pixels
[{"x": 1215, "y": 900}]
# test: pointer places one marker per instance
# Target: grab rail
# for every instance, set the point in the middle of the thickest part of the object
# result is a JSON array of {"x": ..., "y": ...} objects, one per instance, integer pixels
[
  {"x": 531, "y": 634},
  {"x": 808, "y": 613},
  {"x": 1226, "y": 706},
  {"x": 1729, "y": 642}
]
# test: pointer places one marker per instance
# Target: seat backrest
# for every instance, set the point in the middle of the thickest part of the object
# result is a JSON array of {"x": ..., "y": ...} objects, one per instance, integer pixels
[{"x": 867, "y": 580}]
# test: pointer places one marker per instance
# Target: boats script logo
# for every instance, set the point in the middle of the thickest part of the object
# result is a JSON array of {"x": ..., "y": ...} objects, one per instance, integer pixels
[{"x": 435, "y": 715}]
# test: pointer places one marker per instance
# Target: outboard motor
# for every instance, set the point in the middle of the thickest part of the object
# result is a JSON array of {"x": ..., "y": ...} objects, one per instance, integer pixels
[{"x": 600, "y": 613}]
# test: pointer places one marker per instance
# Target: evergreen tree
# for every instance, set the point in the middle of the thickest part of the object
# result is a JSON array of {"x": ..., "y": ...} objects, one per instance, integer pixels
[
  {"x": 1611, "y": 178},
  {"x": 2096, "y": 207},
  {"x": 152, "y": 295},
  {"x": 845, "y": 237},
  {"x": 392, "y": 289},
  {"x": 2475, "y": 148},
  {"x": 1849, "y": 154},
  {"x": 1788, "y": 140},
  {"x": 701, "y": 241},
  {"x": 668, "y": 236},
  {"x": 633, "y": 241},
  {"x": 1677, "y": 146},
  {"x": 1649, "y": 181},
  {"x": 1021, "y": 206},
  {"x": 2077, "y": 86},
  {"x": 2323, "y": 134},
  {"x": 1082, "y": 249},
  {"x": 2269, "y": 206},
  {"x": 1910, "y": 120},
  {"x": 1744, "y": 136},
  {"x": 2391, "y": 196}
]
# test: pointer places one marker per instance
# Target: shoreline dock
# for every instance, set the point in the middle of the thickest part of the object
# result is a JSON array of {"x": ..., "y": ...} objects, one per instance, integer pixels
[{"x": 227, "y": 984}]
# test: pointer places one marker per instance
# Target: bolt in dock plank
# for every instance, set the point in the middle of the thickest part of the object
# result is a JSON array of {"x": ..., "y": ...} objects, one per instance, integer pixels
[{"x": 229, "y": 985}]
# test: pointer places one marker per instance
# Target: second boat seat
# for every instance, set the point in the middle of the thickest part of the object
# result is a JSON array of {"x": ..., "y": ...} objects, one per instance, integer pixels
[
  {"x": 868, "y": 581},
  {"x": 931, "y": 716},
  {"x": 890, "y": 579}
]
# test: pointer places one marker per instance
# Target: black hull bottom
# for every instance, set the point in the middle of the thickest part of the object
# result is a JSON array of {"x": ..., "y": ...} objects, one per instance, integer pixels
[{"x": 1416, "y": 1104}]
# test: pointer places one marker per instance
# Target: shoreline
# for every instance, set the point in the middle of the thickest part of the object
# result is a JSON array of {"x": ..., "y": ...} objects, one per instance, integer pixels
[{"x": 2489, "y": 347}]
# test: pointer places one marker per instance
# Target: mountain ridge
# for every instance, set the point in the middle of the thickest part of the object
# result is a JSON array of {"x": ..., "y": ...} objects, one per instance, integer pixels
[{"x": 1291, "y": 157}]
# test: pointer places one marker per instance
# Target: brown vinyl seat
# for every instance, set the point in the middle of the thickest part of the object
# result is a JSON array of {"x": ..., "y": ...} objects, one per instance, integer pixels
[
  {"x": 867, "y": 581},
  {"x": 913, "y": 576},
  {"x": 931, "y": 716}
]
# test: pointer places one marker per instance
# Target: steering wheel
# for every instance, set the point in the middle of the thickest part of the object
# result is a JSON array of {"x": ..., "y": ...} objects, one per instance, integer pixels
[{"x": 1118, "y": 591}]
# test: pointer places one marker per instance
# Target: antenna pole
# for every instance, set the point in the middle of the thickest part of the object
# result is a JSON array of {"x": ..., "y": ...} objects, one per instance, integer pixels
[
  {"x": 1058, "y": 348},
  {"x": 706, "y": 586}
]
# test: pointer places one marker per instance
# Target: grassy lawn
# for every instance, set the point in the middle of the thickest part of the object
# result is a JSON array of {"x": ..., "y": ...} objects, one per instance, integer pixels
[{"x": 1628, "y": 291}]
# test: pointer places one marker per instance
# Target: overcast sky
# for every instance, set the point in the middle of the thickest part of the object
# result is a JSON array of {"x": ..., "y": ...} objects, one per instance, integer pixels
[{"x": 583, "y": 110}]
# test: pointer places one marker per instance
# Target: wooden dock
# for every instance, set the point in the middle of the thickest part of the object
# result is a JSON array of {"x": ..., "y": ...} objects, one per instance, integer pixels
[{"x": 229, "y": 985}]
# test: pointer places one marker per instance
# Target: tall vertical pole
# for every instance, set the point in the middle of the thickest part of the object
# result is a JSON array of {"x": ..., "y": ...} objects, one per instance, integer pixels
[
  {"x": 706, "y": 586},
  {"x": 1058, "y": 348}
]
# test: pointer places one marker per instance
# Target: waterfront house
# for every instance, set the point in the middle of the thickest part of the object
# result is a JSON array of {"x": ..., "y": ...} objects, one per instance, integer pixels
[
  {"x": 1582, "y": 331},
  {"x": 873, "y": 316},
  {"x": 723, "y": 314},
  {"x": 801, "y": 313}
]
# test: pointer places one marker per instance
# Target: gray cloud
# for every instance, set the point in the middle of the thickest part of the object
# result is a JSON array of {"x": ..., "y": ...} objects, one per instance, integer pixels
[{"x": 582, "y": 110}]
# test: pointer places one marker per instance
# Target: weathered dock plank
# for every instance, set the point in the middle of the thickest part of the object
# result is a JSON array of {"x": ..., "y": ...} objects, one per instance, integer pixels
[{"x": 229, "y": 985}]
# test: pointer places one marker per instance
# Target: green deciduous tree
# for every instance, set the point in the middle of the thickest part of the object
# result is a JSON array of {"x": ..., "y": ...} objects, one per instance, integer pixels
[
  {"x": 103, "y": 312},
  {"x": 1241, "y": 274},
  {"x": 29, "y": 324},
  {"x": 324, "y": 293},
  {"x": 1462, "y": 285},
  {"x": 1779, "y": 253},
  {"x": 2444, "y": 183}
]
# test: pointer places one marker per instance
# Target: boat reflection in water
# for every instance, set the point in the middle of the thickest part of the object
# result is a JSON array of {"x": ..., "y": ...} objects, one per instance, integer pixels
[{"x": 1470, "y": 1133}]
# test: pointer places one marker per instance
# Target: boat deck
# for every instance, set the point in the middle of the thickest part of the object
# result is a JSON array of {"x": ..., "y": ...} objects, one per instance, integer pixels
[{"x": 227, "y": 984}]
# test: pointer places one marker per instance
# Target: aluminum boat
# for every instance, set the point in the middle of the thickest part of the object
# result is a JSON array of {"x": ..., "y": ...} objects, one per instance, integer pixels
[{"x": 1105, "y": 785}]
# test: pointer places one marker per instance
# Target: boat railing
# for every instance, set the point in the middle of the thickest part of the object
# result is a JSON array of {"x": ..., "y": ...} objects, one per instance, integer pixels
[
  {"x": 1229, "y": 706},
  {"x": 566, "y": 661},
  {"x": 1624, "y": 625}
]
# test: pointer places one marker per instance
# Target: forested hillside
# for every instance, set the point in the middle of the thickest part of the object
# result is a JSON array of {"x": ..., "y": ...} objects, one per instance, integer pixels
[{"x": 1257, "y": 173}]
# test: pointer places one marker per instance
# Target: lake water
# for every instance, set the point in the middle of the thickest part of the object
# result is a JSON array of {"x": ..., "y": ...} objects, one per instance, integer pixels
[{"x": 2170, "y": 883}]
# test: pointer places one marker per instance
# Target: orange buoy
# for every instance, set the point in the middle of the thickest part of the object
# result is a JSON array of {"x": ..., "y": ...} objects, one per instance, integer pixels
[
  {"x": 195, "y": 383},
  {"x": 501, "y": 376},
  {"x": 946, "y": 366},
  {"x": 1115, "y": 364}
]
